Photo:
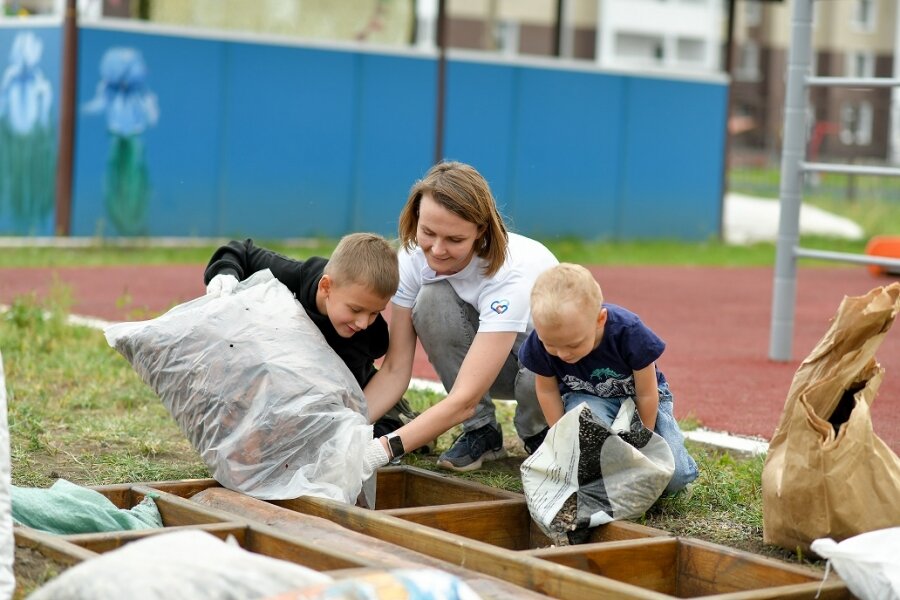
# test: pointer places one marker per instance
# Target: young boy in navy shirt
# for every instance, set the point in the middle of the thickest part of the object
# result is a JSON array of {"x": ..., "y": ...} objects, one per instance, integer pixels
[{"x": 585, "y": 350}]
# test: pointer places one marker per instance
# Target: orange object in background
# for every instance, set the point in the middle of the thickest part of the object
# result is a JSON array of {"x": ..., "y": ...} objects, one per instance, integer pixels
[{"x": 887, "y": 246}]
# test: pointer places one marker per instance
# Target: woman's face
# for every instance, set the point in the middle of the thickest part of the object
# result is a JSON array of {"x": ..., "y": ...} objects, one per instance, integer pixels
[{"x": 447, "y": 240}]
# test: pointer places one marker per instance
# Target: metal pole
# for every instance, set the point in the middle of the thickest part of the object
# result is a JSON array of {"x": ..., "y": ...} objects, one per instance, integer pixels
[
  {"x": 726, "y": 146},
  {"x": 565, "y": 29},
  {"x": 557, "y": 30},
  {"x": 66, "y": 153},
  {"x": 441, "y": 81},
  {"x": 784, "y": 293}
]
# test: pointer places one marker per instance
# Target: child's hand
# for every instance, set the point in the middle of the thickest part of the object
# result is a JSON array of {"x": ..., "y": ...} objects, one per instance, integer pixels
[
  {"x": 221, "y": 285},
  {"x": 375, "y": 456}
]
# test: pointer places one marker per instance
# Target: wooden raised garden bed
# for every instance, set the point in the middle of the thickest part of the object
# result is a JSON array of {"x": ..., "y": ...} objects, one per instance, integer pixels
[{"x": 483, "y": 535}]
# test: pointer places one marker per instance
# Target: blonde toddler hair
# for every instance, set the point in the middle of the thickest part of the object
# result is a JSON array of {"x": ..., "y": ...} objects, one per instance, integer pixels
[{"x": 564, "y": 286}]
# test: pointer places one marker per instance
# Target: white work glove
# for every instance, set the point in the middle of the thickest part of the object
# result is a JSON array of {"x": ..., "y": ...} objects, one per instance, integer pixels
[
  {"x": 221, "y": 285},
  {"x": 375, "y": 457}
]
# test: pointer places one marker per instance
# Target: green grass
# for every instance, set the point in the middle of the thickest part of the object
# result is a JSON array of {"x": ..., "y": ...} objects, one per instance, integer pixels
[
  {"x": 872, "y": 202},
  {"x": 77, "y": 410}
]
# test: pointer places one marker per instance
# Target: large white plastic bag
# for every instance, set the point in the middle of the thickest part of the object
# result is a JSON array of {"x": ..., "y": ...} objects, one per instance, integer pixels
[
  {"x": 869, "y": 563},
  {"x": 179, "y": 565},
  {"x": 587, "y": 474},
  {"x": 270, "y": 407}
]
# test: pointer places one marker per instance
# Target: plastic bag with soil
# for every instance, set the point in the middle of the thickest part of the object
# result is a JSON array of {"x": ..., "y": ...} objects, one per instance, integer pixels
[
  {"x": 271, "y": 409},
  {"x": 587, "y": 473}
]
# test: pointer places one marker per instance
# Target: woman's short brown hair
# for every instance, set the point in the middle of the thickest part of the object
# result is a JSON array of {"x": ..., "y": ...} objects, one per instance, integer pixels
[{"x": 462, "y": 190}]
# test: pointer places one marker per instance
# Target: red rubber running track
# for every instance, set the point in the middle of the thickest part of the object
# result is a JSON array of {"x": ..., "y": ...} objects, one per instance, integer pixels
[{"x": 715, "y": 322}]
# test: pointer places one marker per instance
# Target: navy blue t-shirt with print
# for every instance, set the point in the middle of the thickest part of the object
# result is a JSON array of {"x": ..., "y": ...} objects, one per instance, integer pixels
[{"x": 627, "y": 345}]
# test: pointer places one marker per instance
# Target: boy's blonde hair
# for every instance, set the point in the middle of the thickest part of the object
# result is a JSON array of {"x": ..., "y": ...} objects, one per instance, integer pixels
[
  {"x": 366, "y": 259},
  {"x": 462, "y": 190},
  {"x": 565, "y": 285}
]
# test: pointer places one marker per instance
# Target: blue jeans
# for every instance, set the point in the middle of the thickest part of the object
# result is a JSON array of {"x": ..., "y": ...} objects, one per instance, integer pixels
[{"x": 606, "y": 410}]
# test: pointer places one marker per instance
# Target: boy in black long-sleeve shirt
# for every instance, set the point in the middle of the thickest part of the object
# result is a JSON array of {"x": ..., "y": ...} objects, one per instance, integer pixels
[{"x": 343, "y": 295}]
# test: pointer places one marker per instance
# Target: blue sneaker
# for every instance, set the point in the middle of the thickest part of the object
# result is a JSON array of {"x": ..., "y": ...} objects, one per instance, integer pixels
[{"x": 472, "y": 448}]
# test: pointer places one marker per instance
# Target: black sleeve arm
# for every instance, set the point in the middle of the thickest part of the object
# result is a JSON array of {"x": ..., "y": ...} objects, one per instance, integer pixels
[
  {"x": 243, "y": 259},
  {"x": 229, "y": 259}
]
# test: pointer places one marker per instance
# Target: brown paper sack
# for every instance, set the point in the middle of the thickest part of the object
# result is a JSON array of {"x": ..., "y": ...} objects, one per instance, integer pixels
[{"x": 826, "y": 473}]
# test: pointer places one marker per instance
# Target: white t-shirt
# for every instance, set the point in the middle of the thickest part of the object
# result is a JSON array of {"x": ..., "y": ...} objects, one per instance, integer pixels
[{"x": 502, "y": 301}]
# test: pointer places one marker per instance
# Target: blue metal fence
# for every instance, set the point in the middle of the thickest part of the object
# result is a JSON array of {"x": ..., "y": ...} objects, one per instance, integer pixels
[{"x": 277, "y": 139}]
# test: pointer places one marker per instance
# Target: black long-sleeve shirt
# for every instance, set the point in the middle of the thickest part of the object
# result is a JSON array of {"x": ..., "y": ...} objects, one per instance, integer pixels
[{"x": 242, "y": 259}]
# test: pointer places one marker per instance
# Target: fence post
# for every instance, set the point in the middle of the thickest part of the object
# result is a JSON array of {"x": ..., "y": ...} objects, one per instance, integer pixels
[{"x": 65, "y": 156}]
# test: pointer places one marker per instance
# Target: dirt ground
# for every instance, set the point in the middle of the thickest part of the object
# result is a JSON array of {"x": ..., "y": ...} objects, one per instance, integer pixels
[
  {"x": 715, "y": 321},
  {"x": 32, "y": 569}
]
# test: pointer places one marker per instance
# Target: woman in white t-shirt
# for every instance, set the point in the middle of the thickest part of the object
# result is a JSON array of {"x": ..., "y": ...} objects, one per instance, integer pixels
[{"x": 465, "y": 284}]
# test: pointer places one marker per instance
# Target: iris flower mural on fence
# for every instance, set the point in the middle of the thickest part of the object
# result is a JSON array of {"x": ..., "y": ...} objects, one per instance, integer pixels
[
  {"x": 27, "y": 138},
  {"x": 130, "y": 108}
]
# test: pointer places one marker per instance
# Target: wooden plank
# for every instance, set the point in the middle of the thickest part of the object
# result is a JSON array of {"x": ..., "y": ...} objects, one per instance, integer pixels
[
  {"x": 610, "y": 532},
  {"x": 52, "y": 546},
  {"x": 390, "y": 485},
  {"x": 832, "y": 590},
  {"x": 625, "y": 530},
  {"x": 656, "y": 564},
  {"x": 118, "y": 493},
  {"x": 310, "y": 530},
  {"x": 705, "y": 568},
  {"x": 553, "y": 580},
  {"x": 182, "y": 487},
  {"x": 647, "y": 562},
  {"x": 291, "y": 548},
  {"x": 177, "y": 511},
  {"x": 408, "y": 487},
  {"x": 324, "y": 534},
  {"x": 110, "y": 540},
  {"x": 504, "y": 523}
]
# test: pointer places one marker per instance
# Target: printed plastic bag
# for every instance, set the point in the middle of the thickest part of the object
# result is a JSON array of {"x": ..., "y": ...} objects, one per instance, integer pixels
[
  {"x": 869, "y": 563},
  {"x": 396, "y": 584},
  {"x": 587, "y": 474},
  {"x": 179, "y": 565},
  {"x": 270, "y": 407},
  {"x": 826, "y": 473}
]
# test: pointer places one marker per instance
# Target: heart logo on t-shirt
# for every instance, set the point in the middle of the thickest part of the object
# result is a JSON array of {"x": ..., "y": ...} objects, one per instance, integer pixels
[{"x": 500, "y": 306}]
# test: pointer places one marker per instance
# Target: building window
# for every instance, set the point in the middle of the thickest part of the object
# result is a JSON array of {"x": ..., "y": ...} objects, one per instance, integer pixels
[
  {"x": 506, "y": 37},
  {"x": 748, "y": 65},
  {"x": 856, "y": 124},
  {"x": 863, "y": 18},
  {"x": 860, "y": 64},
  {"x": 690, "y": 52},
  {"x": 639, "y": 49}
]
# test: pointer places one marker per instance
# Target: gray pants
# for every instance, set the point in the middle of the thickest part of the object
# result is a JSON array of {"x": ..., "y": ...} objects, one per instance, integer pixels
[{"x": 446, "y": 326}]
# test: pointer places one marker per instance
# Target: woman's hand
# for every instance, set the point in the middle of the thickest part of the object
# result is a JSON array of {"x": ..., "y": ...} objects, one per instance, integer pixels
[{"x": 376, "y": 456}]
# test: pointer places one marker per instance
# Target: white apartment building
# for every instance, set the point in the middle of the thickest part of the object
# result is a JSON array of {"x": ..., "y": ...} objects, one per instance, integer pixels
[{"x": 681, "y": 34}]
